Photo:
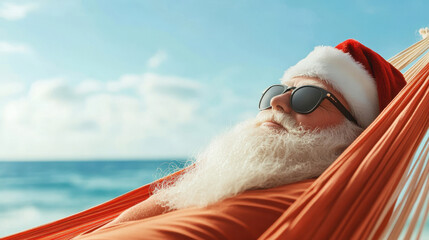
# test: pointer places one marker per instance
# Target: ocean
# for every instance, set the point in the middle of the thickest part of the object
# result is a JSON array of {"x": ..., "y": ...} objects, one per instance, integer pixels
[{"x": 35, "y": 193}]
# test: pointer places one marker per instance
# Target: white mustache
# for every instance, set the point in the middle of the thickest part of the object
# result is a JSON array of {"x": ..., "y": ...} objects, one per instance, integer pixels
[{"x": 283, "y": 119}]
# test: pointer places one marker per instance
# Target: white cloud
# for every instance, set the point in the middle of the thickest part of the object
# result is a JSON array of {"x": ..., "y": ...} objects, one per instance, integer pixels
[
  {"x": 125, "y": 82},
  {"x": 8, "y": 89},
  {"x": 157, "y": 59},
  {"x": 13, "y": 11},
  {"x": 92, "y": 119},
  {"x": 169, "y": 86},
  {"x": 55, "y": 89},
  {"x": 6, "y": 47},
  {"x": 170, "y": 97},
  {"x": 89, "y": 86}
]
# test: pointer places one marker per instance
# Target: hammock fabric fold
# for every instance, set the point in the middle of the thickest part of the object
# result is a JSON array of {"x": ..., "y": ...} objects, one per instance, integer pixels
[{"x": 354, "y": 199}]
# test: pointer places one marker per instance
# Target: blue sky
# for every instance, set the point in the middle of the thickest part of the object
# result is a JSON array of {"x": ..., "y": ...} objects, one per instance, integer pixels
[{"x": 158, "y": 79}]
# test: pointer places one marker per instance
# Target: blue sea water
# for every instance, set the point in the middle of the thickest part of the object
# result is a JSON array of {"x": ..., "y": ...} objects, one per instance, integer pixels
[{"x": 35, "y": 193}]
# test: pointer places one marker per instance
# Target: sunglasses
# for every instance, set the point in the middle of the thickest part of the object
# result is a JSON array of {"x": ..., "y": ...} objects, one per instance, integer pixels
[{"x": 304, "y": 99}]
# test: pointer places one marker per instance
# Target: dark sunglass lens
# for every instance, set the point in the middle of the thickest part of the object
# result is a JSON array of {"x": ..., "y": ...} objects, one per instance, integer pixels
[
  {"x": 305, "y": 99},
  {"x": 268, "y": 95}
]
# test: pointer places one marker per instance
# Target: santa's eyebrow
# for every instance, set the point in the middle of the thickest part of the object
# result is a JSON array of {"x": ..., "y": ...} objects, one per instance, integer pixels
[{"x": 310, "y": 82}]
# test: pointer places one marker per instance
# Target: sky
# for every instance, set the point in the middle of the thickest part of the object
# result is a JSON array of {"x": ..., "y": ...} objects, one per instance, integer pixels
[{"x": 122, "y": 79}]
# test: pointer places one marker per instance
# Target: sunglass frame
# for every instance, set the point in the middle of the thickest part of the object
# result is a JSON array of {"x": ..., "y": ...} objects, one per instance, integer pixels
[{"x": 324, "y": 95}]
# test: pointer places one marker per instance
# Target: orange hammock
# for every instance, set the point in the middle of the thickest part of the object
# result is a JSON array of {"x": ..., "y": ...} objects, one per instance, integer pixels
[{"x": 354, "y": 198}]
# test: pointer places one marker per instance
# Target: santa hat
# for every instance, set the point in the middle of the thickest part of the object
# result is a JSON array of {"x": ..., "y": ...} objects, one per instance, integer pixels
[{"x": 365, "y": 79}]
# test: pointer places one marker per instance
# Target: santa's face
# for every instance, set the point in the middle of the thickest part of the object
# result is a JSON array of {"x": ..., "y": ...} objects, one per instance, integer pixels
[
  {"x": 325, "y": 116},
  {"x": 257, "y": 154}
]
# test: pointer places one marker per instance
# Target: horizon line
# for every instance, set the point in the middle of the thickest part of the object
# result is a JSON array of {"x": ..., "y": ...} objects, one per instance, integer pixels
[{"x": 98, "y": 159}]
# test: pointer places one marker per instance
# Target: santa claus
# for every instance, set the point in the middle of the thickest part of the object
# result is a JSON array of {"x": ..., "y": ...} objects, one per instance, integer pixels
[{"x": 248, "y": 176}]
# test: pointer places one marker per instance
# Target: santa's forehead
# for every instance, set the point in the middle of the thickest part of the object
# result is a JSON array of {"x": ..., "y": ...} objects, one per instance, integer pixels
[{"x": 302, "y": 81}]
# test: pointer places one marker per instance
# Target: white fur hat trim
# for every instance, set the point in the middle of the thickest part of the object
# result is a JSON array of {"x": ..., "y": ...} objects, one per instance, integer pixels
[{"x": 346, "y": 75}]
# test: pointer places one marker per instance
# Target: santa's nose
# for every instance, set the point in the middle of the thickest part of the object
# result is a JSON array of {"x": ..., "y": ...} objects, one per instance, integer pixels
[{"x": 282, "y": 102}]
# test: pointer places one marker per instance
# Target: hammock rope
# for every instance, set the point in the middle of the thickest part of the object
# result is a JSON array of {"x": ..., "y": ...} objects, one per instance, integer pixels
[
  {"x": 418, "y": 67},
  {"x": 368, "y": 192},
  {"x": 418, "y": 175},
  {"x": 411, "y": 186},
  {"x": 407, "y": 56},
  {"x": 412, "y": 194}
]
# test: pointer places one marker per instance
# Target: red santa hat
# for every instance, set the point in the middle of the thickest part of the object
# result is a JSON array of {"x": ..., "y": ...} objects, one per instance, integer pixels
[{"x": 366, "y": 80}]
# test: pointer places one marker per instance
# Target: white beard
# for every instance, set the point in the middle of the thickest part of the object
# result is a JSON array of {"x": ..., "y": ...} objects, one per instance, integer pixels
[{"x": 252, "y": 156}]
